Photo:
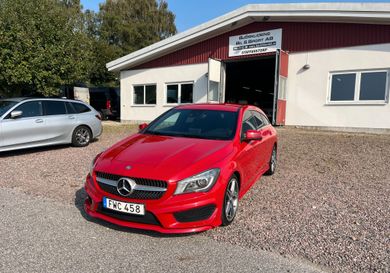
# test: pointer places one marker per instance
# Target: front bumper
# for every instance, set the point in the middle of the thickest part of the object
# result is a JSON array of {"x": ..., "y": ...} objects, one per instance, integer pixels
[{"x": 185, "y": 213}]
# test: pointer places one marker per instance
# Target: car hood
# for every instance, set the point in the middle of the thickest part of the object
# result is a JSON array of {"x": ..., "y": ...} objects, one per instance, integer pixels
[{"x": 163, "y": 157}]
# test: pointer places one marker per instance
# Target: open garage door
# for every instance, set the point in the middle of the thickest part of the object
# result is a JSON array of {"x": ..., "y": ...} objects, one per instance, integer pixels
[
  {"x": 280, "y": 86},
  {"x": 216, "y": 81},
  {"x": 253, "y": 81}
]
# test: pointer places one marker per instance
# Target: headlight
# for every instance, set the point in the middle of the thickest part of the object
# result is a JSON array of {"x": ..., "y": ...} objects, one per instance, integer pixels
[
  {"x": 198, "y": 183},
  {"x": 93, "y": 163}
]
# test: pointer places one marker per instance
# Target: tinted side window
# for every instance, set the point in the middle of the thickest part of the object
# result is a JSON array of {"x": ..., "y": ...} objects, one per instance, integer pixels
[
  {"x": 70, "y": 108},
  {"x": 259, "y": 121},
  {"x": 265, "y": 119},
  {"x": 248, "y": 123},
  {"x": 80, "y": 108},
  {"x": 54, "y": 108},
  {"x": 30, "y": 109}
]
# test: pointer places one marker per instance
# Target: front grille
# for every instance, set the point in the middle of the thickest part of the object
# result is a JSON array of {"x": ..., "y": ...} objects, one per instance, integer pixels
[
  {"x": 137, "y": 194},
  {"x": 148, "y": 218},
  {"x": 196, "y": 214}
]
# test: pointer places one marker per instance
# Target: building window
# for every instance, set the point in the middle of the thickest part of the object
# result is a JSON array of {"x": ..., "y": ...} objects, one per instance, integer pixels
[
  {"x": 144, "y": 94},
  {"x": 180, "y": 93},
  {"x": 359, "y": 87}
]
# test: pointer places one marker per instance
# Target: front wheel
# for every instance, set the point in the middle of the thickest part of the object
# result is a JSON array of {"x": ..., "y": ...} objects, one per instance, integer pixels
[
  {"x": 230, "y": 203},
  {"x": 272, "y": 162},
  {"x": 81, "y": 136}
]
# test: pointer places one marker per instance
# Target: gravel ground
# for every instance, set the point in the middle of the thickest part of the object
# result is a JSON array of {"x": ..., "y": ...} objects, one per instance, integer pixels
[
  {"x": 327, "y": 203},
  {"x": 32, "y": 228}
]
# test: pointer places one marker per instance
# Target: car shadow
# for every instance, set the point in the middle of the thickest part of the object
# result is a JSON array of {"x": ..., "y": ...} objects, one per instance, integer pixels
[
  {"x": 33, "y": 150},
  {"x": 27, "y": 151},
  {"x": 79, "y": 204}
]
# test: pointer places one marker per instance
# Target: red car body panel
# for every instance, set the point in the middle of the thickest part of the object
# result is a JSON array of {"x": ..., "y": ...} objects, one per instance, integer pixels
[{"x": 173, "y": 159}]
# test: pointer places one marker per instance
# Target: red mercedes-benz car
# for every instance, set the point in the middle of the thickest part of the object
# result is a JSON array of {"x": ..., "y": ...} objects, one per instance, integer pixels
[{"x": 185, "y": 171}]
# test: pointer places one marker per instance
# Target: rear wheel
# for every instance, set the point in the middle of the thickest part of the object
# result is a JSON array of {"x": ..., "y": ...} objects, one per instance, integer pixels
[
  {"x": 81, "y": 136},
  {"x": 230, "y": 202},
  {"x": 272, "y": 162}
]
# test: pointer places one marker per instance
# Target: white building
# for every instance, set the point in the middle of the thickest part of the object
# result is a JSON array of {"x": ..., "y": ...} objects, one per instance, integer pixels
[{"x": 316, "y": 65}]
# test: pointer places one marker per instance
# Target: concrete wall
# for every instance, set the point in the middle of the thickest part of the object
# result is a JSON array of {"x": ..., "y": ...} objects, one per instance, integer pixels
[
  {"x": 160, "y": 77},
  {"x": 307, "y": 90}
]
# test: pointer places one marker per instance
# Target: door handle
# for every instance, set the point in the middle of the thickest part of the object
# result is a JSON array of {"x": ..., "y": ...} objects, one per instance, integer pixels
[
  {"x": 71, "y": 117},
  {"x": 39, "y": 120}
]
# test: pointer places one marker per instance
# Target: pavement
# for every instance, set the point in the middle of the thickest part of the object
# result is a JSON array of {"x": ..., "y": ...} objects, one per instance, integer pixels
[{"x": 38, "y": 234}]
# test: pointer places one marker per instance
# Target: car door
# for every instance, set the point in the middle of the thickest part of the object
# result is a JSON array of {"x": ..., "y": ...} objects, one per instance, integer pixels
[
  {"x": 26, "y": 129},
  {"x": 266, "y": 144},
  {"x": 59, "y": 124},
  {"x": 248, "y": 157}
]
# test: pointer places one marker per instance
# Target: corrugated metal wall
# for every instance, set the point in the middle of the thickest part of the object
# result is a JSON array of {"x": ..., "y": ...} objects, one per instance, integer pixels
[{"x": 295, "y": 37}]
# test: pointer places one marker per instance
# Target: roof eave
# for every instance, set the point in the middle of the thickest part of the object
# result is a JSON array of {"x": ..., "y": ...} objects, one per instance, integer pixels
[{"x": 324, "y": 12}]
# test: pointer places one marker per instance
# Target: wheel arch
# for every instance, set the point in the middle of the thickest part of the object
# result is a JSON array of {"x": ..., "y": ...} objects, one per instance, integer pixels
[
  {"x": 238, "y": 175},
  {"x": 84, "y": 125}
]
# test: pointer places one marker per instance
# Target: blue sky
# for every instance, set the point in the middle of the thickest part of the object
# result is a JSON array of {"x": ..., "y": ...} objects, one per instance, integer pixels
[{"x": 190, "y": 13}]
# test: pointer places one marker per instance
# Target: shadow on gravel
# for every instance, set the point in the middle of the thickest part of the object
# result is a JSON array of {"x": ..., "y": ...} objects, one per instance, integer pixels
[
  {"x": 79, "y": 203},
  {"x": 33, "y": 150},
  {"x": 42, "y": 149}
]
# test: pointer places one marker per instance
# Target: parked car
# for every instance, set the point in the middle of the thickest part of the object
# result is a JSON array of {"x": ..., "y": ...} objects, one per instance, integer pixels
[
  {"x": 33, "y": 122},
  {"x": 185, "y": 172},
  {"x": 106, "y": 101}
]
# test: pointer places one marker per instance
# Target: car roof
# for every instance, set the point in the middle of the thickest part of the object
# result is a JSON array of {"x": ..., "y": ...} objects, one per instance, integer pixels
[
  {"x": 212, "y": 106},
  {"x": 20, "y": 99}
]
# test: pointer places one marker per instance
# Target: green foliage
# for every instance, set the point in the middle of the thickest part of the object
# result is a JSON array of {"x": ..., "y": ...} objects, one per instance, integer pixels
[
  {"x": 124, "y": 26},
  {"x": 45, "y": 44},
  {"x": 42, "y": 46}
]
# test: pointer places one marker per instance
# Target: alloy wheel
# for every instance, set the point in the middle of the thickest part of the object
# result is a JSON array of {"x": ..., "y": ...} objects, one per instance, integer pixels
[
  {"x": 231, "y": 200},
  {"x": 82, "y": 136},
  {"x": 273, "y": 161}
]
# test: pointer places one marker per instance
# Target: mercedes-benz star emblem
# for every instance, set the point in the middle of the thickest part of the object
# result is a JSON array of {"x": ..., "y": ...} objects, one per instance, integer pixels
[
  {"x": 125, "y": 186},
  {"x": 128, "y": 167}
]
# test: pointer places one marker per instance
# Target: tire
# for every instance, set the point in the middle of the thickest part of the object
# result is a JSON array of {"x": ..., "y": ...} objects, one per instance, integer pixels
[
  {"x": 272, "y": 162},
  {"x": 81, "y": 137},
  {"x": 230, "y": 201}
]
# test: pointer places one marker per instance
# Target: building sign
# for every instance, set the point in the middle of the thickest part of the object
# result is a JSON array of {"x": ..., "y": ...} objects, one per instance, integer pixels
[{"x": 255, "y": 43}]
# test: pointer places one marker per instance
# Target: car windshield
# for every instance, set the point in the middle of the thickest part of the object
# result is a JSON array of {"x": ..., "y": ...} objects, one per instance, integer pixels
[
  {"x": 195, "y": 123},
  {"x": 5, "y": 105}
]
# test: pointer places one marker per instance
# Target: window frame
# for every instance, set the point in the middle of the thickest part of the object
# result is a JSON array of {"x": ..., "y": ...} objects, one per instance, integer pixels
[
  {"x": 73, "y": 103},
  {"x": 356, "y": 100},
  {"x": 179, "y": 84},
  {"x": 263, "y": 119},
  {"x": 49, "y": 101},
  {"x": 144, "y": 87},
  {"x": 242, "y": 136},
  {"x": 15, "y": 107}
]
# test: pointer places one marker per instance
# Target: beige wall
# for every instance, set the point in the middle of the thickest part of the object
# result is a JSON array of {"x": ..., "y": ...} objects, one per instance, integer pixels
[
  {"x": 160, "y": 77},
  {"x": 307, "y": 90}
]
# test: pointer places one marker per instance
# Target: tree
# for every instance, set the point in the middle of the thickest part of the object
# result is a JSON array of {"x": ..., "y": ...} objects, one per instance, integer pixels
[
  {"x": 46, "y": 44},
  {"x": 43, "y": 45},
  {"x": 124, "y": 26}
]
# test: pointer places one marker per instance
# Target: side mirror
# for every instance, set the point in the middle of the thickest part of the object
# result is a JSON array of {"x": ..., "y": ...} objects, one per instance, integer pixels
[
  {"x": 16, "y": 114},
  {"x": 253, "y": 135},
  {"x": 142, "y": 126}
]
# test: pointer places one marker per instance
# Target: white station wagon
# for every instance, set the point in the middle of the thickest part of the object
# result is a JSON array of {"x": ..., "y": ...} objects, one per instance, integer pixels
[{"x": 33, "y": 122}]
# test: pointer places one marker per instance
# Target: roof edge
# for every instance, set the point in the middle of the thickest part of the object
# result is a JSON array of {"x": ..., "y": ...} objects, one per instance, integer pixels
[{"x": 378, "y": 11}]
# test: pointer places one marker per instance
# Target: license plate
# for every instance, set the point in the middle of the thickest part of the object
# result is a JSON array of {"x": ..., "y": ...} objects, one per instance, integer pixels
[{"x": 130, "y": 208}]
